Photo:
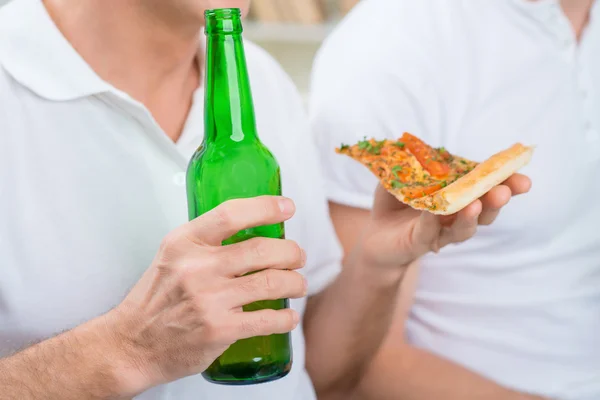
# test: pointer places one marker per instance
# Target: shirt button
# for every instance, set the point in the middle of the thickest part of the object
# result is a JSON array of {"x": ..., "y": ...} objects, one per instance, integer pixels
[{"x": 179, "y": 179}]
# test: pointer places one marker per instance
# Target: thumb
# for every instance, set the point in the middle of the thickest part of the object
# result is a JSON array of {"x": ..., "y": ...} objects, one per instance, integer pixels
[{"x": 385, "y": 202}]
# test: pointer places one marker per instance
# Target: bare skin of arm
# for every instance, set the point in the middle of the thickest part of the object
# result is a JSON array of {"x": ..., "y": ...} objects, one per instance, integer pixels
[
  {"x": 81, "y": 363},
  {"x": 180, "y": 316},
  {"x": 400, "y": 371}
]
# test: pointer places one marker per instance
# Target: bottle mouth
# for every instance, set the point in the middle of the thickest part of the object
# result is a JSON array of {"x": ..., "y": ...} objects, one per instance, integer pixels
[
  {"x": 223, "y": 20},
  {"x": 223, "y": 13}
]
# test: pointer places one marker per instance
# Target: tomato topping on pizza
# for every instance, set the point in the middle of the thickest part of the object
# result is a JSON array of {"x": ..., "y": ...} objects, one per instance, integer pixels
[
  {"x": 409, "y": 164},
  {"x": 431, "y": 159}
]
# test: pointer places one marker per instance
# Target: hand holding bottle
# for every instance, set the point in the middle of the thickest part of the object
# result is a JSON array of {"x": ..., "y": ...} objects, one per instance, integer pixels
[
  {"x": 186, "y": 309},
  {"x": 232, "y": 162}
]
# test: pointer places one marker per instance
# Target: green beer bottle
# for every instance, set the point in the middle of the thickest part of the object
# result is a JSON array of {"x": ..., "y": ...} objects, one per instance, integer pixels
[{"x": 232, "y": 163}]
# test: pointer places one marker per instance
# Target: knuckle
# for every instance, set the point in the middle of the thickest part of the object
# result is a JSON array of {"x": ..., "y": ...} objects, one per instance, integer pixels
[
  {"x": 262, "y": 283},
  {"x": 171, "y": 242},
  {"x": 213, "y": 257},
  {"x": 249, "y": 284},
  {"x": 269, "y": 280},
  {"x": 223, "y": 216},
  {"x": 270, "y": 208},
  {"x": 259, "y": 248},
  {"x": 255, "y": 283},
  {"x": 252, "y": 327},
  {"x": 164, "y": 269},
  {"x": 187, "y": 278},
  {"x": 265, "y": 320},
  {"x": 168, "y": 257}
]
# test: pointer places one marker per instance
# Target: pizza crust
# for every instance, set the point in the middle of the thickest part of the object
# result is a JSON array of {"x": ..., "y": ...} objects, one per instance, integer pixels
[{"x": 476, "y": 183}]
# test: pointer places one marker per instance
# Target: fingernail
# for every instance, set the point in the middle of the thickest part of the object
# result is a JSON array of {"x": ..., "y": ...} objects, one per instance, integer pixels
[
  {"x": 296, "y": 318},
  {"x": 286, "y": 206}
]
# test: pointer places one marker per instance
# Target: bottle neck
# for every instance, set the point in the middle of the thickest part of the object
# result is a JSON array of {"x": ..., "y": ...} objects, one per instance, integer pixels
[{"x": 229, "y": 108}]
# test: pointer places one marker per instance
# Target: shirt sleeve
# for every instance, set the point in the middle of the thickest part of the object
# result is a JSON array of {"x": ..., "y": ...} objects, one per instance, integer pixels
[{"x": 365, "y": 87}]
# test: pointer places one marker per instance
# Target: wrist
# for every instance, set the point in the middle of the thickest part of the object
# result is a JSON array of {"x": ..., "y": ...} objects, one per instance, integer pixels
[
  {"x": 125, "y": 364},
  {"x": 383, "y": 253},
  {"x": 369, "y": 267}
]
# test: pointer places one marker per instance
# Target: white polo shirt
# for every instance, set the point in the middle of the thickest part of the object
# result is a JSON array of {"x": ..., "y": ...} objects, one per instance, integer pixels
[
  {"x": 520, "y": 303},
  {"x": 89, "y": 185}
]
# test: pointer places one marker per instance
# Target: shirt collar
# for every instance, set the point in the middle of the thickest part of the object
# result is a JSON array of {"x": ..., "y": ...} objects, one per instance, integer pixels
[{"x": 36, "y": 54}]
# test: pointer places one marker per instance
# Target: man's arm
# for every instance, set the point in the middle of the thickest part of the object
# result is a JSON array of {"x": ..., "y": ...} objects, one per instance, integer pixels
[
  {"x": 345, "y": 324},
  {"x": 84, "y": 363},
  {"x": 400, "y": 371},
  {"x": 179, "y": 317}
]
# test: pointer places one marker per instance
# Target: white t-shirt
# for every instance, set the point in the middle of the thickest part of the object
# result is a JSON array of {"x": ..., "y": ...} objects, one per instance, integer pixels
[
  {"x": 90, "y": 184},
  {"x": 520, "y": 303}
]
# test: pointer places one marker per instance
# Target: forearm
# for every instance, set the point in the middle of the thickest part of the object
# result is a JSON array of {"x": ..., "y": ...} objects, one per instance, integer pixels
[
  {"x": 345, "y": 325},
  {"x": 78, "y": 364},
  {"x": 404, "y": 372}
]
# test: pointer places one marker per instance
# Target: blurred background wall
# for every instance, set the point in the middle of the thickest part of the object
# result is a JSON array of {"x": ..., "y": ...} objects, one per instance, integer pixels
[{"x": 292, "y": 31}]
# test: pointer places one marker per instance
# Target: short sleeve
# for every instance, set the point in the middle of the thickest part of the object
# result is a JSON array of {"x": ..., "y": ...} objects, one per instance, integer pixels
[{"x": 360, "y": 88}]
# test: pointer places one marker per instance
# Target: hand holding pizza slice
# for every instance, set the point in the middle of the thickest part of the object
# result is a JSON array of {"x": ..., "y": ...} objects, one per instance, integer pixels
[{"x": 429, "y": 198}]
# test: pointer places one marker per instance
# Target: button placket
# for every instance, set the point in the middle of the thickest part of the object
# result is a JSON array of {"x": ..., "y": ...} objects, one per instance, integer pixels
[
  {"x": 563, "y": 31},
  {"x": 591, "y": 134}
]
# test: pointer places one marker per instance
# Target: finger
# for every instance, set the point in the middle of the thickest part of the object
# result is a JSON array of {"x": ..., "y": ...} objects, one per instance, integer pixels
[
  {"x": 518, "y": 184},
  {"x": 270, "y": 284},
  {"x": 464, "y": 226},
  {"x": 447, "y": 220},
  {"x": 492, "y": 202},
  {"x": 264, "y": 322},
  {"x": 235, "y": 215},
  {"x": 260, "y": 253},
  {"x": 496, "y": 198},
  {"x": 488, "y": 217}
]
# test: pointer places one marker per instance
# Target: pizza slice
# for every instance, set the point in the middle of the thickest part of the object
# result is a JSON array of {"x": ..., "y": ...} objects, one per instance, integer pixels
[{"x": 433, "y": 179}]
